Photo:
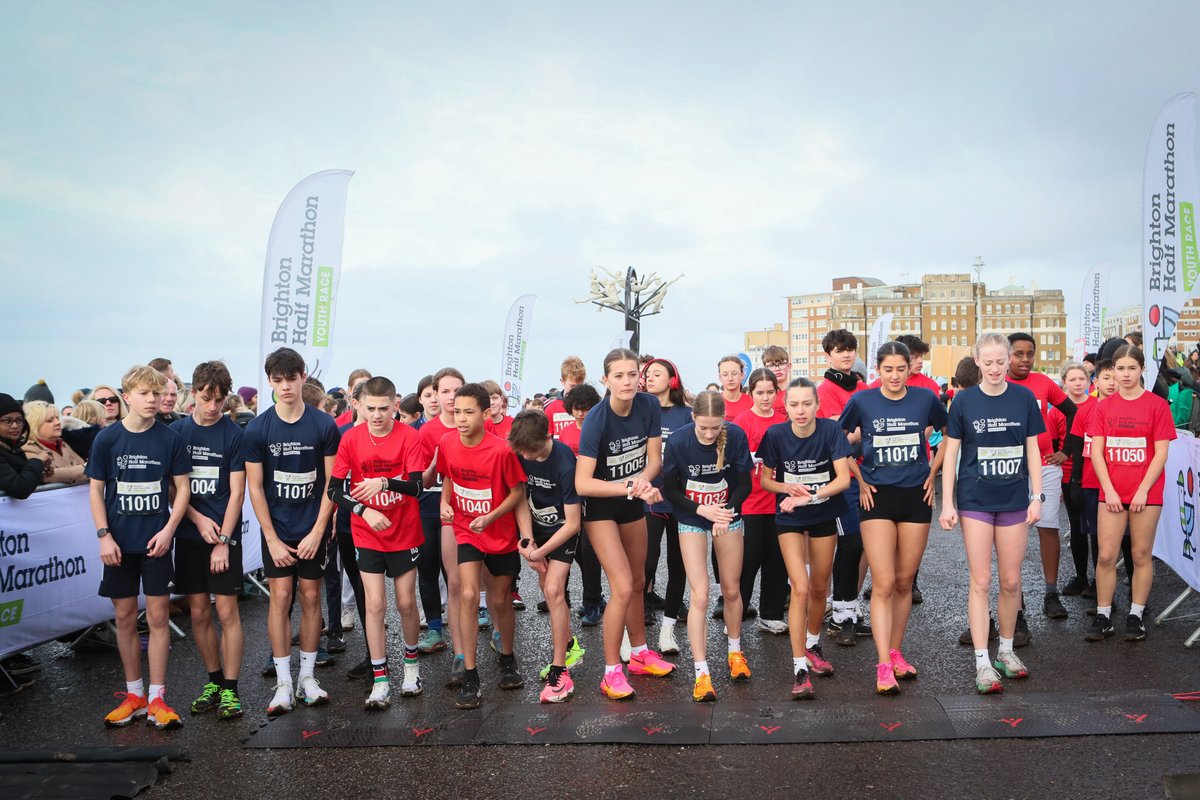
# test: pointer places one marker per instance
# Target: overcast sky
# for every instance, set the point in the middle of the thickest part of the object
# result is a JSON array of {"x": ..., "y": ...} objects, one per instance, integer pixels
[{"x": 511, "y": 148}]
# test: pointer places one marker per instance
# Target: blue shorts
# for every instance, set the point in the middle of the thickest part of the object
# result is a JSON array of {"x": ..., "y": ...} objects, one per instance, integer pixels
[{"x": 737, "y": 526}]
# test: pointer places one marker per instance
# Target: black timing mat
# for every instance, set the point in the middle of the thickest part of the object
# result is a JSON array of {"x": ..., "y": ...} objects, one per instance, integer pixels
[
  {"x": 868, "y": 720},
  {"x": 87, "y": 774}
]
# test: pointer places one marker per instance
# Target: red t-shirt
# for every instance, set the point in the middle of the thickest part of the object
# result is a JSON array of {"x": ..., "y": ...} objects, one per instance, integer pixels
[
  {"x": 361, "y": 455},
  {"x": 429, "y": 436},
  {"x": 559, "y": 417},
  {"x": 483, "y": 476},
  {"x": 344, "y": 418},
  {"x": 569, "y": 436},
  {"x": 760, "y": 501},
  {"x": 1083, "y": 419},
  {"x": 1048, "y": 393},
  {"x": 1058, "y": 432},
  {"x": 732, "y": 409},
  {"x": 500, "y": 428},
  {"x": 833, "y": 398},
  {"x": 1130, "y": 428}
]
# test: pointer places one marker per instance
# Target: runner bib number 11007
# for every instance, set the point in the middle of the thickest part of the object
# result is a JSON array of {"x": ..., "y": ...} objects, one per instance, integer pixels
[{"x": 1000, "y": 463}]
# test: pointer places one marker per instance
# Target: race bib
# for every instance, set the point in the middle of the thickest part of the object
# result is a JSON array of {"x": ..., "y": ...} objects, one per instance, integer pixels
[
  {"x": 896, "y": 450},
  {"x": 1000, "y": 463},
  {"x": 547, "y": 517},
  {"x": 386, "y": 499},
  {"x": 1087, "y": 446},
  {"x": 813, "y": 480},
  {"x": 561, "y": 420},
  {"x": 204, "y": 481},
  {"x": 473, "y": 501},
  {"x": 707, "y": 494},
  {"x": 139, "y": 498},
  {"x": 1125, "y": 450},
  {"x": 625, "y": 465},
  {"x": 295, "y": 487}
]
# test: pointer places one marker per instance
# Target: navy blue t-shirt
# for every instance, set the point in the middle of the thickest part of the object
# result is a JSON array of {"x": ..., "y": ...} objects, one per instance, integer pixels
[
  {"x": 808, "y": 460},
  {"x": 993, "y": 472},
  {"x": 215, "y": 451},
  {"x": 893, "y": 434},
  {"x": 696, "y": 465},
  {"x": 550, "y": 485},
  {"x": 137, "y": 469},
  {"x": 619, "y": 443},
  {"x": 293, "y": 466},
  {"x": 673, "y": 418}
]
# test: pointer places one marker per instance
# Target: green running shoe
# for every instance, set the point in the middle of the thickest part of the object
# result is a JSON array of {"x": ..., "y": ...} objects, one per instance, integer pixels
[
  {"x": 575, "y": 654},
  {"x": 207, "y": 700},
  {"x": 230, "y": 706}
]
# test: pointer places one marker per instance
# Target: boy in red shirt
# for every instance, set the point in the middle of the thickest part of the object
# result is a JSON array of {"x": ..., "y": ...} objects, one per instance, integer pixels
[
  {"x": 573, "y": 374},
  {"x": 482, "y": 483},
  {"x": 377, "y": 479},
  {"x": 732, "y": 373},
  {"x": 776, "y": 359}
]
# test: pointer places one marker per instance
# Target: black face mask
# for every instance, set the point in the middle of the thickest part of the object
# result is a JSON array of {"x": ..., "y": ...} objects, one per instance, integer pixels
[{"x": 846, "y": 380}]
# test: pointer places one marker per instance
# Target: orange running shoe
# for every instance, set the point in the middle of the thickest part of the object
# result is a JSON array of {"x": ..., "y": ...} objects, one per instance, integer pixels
[
  {"x": 703, "y": 691},
  {"x": 132, "y": 707},
  {"x": 739, "y": 670},
  {"x": 162, "y": 716}
]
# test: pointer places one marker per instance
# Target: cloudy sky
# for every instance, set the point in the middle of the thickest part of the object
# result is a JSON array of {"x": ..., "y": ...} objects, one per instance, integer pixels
[{"x": 511, "y": 148}]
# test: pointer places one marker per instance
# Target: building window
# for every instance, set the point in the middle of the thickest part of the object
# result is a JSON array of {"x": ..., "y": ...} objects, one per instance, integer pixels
[{"x": 954, "y": 326}]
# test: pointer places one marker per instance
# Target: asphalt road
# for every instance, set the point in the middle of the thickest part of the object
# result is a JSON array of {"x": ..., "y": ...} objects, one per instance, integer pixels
[{"x": 65, "y": 707}]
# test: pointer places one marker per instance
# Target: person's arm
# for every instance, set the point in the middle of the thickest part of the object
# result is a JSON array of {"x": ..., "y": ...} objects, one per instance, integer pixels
[
  {"x": 218, "y": 560},
  {"x": 446, "y": 512},
  {"x": 160, "y": 543},
  {"x": 572, "y": 523},
  {"x": 309, "y": 545},
  {"x": 587, "y": 485},
  {"x": 949, "y": 516},
  {"x": 1033, "y": 460},
  {"x": 1068, "y": 409},
  {"x": 21, "y": 484},
  {"x": 938, "y": 457},
  {"x": 1138, "y": 501},
  {"x": 110, "y": 551},
  {"x": 675, "y": 495},
  {"x": 516, "y": 494},
  {"x": 411, "y": 486},
  {"x": 282, "y": 554},
  {"x": 739, "y": 490},
  {"x": 1111, "y": 498}
]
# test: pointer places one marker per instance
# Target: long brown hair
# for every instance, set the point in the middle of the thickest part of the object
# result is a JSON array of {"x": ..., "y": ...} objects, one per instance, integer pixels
[{"x": 711, "y": 404}]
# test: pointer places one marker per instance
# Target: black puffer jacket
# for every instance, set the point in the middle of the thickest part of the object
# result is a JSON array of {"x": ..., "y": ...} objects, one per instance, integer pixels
[{"x": 19, "y": 474}]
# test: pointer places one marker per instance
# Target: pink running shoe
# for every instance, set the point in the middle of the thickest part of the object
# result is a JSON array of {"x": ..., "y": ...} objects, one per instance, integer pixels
[
  {"x": 649, "y": 662},
  {"x": 615, "y": 686},
  {"x": 904, "y": 670},
  {"x": 885, "y": 680},
  {"x": 558, "y": 692},
  {"x": 820, "y": 667}
]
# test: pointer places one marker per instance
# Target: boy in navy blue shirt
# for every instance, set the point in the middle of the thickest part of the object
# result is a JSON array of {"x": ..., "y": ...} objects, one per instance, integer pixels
[{"x": 133, "y": 465}]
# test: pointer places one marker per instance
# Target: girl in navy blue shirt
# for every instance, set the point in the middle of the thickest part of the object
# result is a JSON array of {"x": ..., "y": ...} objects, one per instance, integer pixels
[
  {"x": 896, "y": 486},
  {"x": 994, "y": 427},
  {"x": 706, "y": 476}
]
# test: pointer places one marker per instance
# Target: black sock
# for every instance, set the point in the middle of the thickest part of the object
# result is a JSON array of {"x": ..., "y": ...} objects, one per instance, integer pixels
[
  {"x": 555, "y": 672},
  {"x": 231, "y": 684},
  {"x": 472, "y": 675},
  {"x": 217, "y": 677}
]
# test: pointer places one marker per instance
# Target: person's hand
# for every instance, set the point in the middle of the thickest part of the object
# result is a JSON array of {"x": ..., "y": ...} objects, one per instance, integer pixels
[
  {"x": 218, "y": 562},
  {"x": 376, "y": 519},
  {"x": 637, "y": 487},
  {"x": 1112, "y": 501},
  {"x": 1035, "y": 512},
  {"x": 929, "y": 484},
  {"x": 47, "y": 471},
  {"x": 530, "y": 553},
  {"x": 210, "y": 531},
  {"x": 1138, "y": 501},
  {"x": 284, "y": 555},
  {"x": 718, "y": 515},
  {"x": 1056, "y": 459},
  {"x": 110, "y": 552},
  {"x": 367, "y": 488},
  {"x": 798, "y": 490},
  {"x": 720, "y": 529},
  {"x": 480, "y": 522},
  {"x": 309, "y": 545},
  {"x": 948, "y": 518},
  {"x": 447, "y": 513},
  {"x": 866, "y": 495},
  {"x": 159, "y": 544},
  {"x": 651, "y": 496}
]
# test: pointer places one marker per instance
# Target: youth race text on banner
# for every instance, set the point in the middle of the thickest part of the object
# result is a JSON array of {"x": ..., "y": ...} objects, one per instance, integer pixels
[
  {"x": 303, "y": 269},
  {"x": 512, "y": 358}
]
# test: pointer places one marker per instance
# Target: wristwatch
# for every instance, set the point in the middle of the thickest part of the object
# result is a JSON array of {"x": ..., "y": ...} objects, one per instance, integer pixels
[
  {"x": 1041, "y": 498},
  {"x": 223, "y": 539},
  {"x": 101, "y": 533}
]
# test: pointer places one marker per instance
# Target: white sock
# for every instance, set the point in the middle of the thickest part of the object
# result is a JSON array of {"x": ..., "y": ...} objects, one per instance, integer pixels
[
  {"x": 811, "y": 640},
  {"x": 1136, "y": 609},
  {"x": 157, "y": 690},
  {"x": 668, "y": 622},
  {"x": 981, "y": 658},
  {"x": 283, "y": 669},
  {"x": 483, "y": 599},
  {"x": 799, "y": 664},
  {"x": 1104, "y": 611},
  {"x": 609, "y": 669},
  {"x": 307, "y": 662},
  {"x": 637, "y": 651},
  {"x": 135, "y": 688},
  {"x": 1006, "y": 645},
  {"x": 735, "y": 645},
  {"x": 701, "y": 668},
  {"x": 843, "y": 610}
]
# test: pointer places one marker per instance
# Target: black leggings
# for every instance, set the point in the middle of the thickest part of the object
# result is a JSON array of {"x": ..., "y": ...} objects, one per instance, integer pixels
[
  {"x": 659, "y": 526},
  {"x": 761, "y": 551},
  {"x": 1079, "y": 536},
  {"x": 1091, "y": 512},
  {"x": 429, "y": 568},
  {"x": 845, "y": 567}
]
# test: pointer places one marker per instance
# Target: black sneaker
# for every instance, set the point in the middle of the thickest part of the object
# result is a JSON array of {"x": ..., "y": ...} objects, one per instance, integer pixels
[
  {"x": 1075, "y": 587},
  {"x": 749, "y": 612},
  {"x": 682, "y": 615},
  {"x": 917, "y": 596},
  {"x": 1101, "y": 629},
  {"x": 334, "y": 643},
  {"x": 1052, "y": 607},
  {"x": 469, "y": 694},
  {"x": 846, "y": 636},
  {"x": 1021, "y": 637},
  {"x": 324, "y": 658},
  {"x": 509, "y": 677},
  {"x": 648, "y": 616},
  {"x": 20, "y": 664},
  {"x": 654, "y": 601},
  {"x": 719, "y": 611},
  {"x": 993, "y": 634},
  {"x": 360, "y": 670},
  {"x": 591, "y": 616},
  {"x": 1090, "y": 591},
  {"x": 458, "y": 673},
  {"x": 861, "y": 628},
  {"x": 543, "y": 608},
  {"x": 268, "y": 669},
  {"x": 1135, "y": 629}
]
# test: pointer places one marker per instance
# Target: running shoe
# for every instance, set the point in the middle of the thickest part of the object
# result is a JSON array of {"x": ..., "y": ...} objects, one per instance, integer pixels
[
  {"x": 820, "y": 667},
  {"x": 739, "y": 670},
  {"x": 885, "y": 680},
  {"x": 430, "y": 642},
  {"x": 469, "y": 694},
  {"x": 615, "y": 686},
  {"x": 654, "y": 601},
  {"x": 775, "y": 626},
  {"x": 380, "y": 696},
  {"x": 1021, "y": 637},
  {"x": 987, "y": 680},
  {"x": 210, "y": 695},
  {"x": 575, "y": 653},
  {"x": 1090, "y": 591},
  {"x": 132, "y": 707},
  {"x": 230, "y": 706},
  {"x": 1135, "y": 629},
  {"x": 749, "y": 612},
  {"x": 494, "y": 643},
  {"x": 335, "y": 643},
  {"x": 558, "y": 691},
  {"x": 591, "y": 616},
  {"x": 310, "y": 692},
  {"x": 666, "y": 641},
  {"x": 411, "y": 686},
  {"x": 283, "y": 701},
  {"x": 843, "y": 632},
  {"x": 161, "y": 716},
  {"x": 268, "y": 668},
  {"x": 324, "y": 657},
  {"x": 360, "y": 670},
  {"x": 1010, "y": 666},
  {"x": 918, "y": 596},
  {"x": 649, "y": 662},
  {"x": 861, "y": 628},
  {"x": 20, "y": 664},
  {"x": 1101, "y": 629},
  {"x": 349, "y": 619},
  {"x": 1075, "y": 586},
  {"x": 510, "y": 678},
  {"x": 485, "y": 621},
  {"x": 517, "y": 603},
  {"x": 703, "y": 691},
  {"x": 458, "y": 671},
  {"x": 965, "y": 639},
  {"x": 1052, "y": 606},
  {"x": 802, "y": 686},
  {"x": 904, "y": 670}
]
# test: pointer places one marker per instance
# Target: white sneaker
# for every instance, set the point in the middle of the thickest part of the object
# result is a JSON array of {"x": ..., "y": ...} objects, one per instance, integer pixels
[
  {"x": 412, "y": 680},
  {"x": 310, "y": 692},
  {"x": 380, "y": 697},
  {"x": 666, "y": 641},
  {"x": 283, "y": 700},
  {"x": 349, "y": 618},
  {"x": 775, "y": 626},
  {"x": 626, "y": 647}
]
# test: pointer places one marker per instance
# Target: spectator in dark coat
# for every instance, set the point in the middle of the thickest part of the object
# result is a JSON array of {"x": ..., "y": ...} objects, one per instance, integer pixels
[{"x": 19, "y": 474}]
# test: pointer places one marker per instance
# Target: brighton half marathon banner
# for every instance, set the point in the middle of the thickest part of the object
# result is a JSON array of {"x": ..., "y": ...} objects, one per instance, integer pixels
[
  {"x": 1093, "y": 298},
  {"x": 1170, "y": 263},
  {"x": 50, "y": 566},
  {"x": 1176, "y": 541},
  {"x": 303, "y": 269},
  {"x": 512, "y": 357},
  {"x": 879, "y": 335}
]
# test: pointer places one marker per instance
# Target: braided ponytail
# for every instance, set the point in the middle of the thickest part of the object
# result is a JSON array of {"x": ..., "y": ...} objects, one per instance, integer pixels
[
  {"x": 712, "y": 404},
  {"x": 721, "y": 438}
]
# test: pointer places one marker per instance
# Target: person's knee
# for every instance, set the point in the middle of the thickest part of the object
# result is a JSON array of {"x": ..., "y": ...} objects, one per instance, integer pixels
[
  {"x": 1010, "y": 584},
  {"x": 1106, "y": 559},
  {"x": 981, "y": 585},
  {"x": 553, "y": 590},
  {"x": 699, "y": 598},
  {"x": 621, "y": 590},
  {"x": 227, "y": 612},
  {"x": 157, "y": 615},
  {"x": 376, "y": 605},
  {"x": 884, "y": 588},
  {"x": 799, "y": 593}
]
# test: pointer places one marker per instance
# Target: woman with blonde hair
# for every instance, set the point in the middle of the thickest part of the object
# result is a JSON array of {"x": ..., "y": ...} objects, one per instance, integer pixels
[
  {"x": 46, "y": 444},
  {"x": 114, "y": 407}
]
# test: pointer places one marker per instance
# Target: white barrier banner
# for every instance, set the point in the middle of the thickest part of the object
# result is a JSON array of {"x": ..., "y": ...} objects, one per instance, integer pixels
[
  {"x": 1175, "y": 542},
  {"x": 50, "y": 566},
  {"x": 879, "y": 335},
  {"x": 514, "y": 344}
]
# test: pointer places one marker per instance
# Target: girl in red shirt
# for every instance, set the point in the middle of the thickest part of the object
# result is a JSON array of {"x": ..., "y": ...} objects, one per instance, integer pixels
[{"x": 1130, "y": 431}]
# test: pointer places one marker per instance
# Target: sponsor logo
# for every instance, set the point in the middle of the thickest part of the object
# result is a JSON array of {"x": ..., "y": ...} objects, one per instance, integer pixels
[
  {"x": 276, "y": 448},
  {"x": 694, "y": 470},
  {"x": 614, "y": 447},
  {"x": 10, "y": 613},
  {"x": 979, "y": 425},
  {"x": 878, "y": 425},
  {"x": 1186, "y": 482},
  {"x": 122, "y": 462}
]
